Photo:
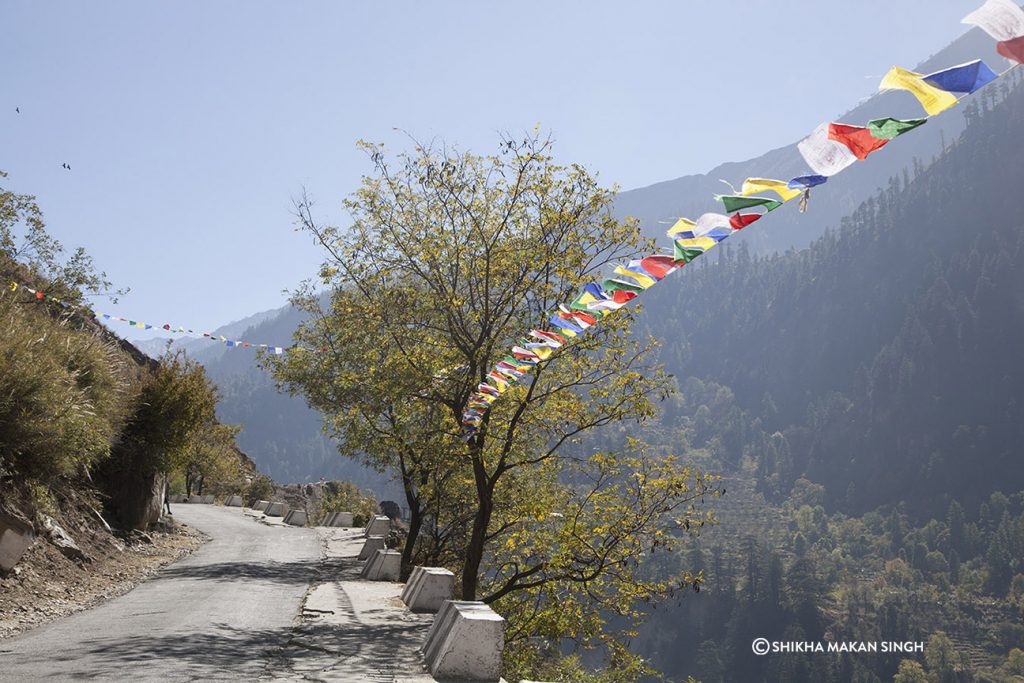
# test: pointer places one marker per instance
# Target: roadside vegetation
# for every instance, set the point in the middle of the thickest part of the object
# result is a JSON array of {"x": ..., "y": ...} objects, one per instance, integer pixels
[{"x": 83, "y": 414}]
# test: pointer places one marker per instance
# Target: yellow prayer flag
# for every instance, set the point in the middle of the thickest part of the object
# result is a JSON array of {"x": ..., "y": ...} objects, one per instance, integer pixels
[
  {"x": 644, "y": 281},
  {"x": 681, "y": 225},
  {"x": 933, "y": 100},
  {"x": 702, "y": 243},
  {"x": 779, "y": 187}
]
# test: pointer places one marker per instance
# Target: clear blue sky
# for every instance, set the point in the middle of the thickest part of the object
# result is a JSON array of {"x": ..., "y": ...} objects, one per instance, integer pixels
[{"x": 190, "y": 125}]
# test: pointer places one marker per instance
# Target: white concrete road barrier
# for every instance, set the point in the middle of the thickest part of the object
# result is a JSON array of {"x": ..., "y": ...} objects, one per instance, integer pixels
[
  {"x": 385, "y": 565},
  {"x": 296, "y": 518},
  {"x": 233, "y": 502},
  {"x": 194, "y": 499},
  {"x": 15, "y": 538},
  {"x": 428, "y": 588},
  {"x": 378, "y": 526},
  {"x": 340, "y": 519},
  {"x": 371, "y": 546},
  {"x": 260, "y": 505},
  {"x": 465, "y": 642},
  {"x": 275, "y": 509},
  {"x": 208, "y": 500}
]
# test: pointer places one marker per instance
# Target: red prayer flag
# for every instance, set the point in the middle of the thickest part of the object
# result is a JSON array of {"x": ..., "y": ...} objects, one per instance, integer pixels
[
  {"x": 858, "y": 138},
  {"x": 738, "y": 221},
  {"x": 658, "y": 266},
  {"x": 39, "y": 295},
  {"x": 621, "y": 296},
  {"x": 1012, "y": 49}
]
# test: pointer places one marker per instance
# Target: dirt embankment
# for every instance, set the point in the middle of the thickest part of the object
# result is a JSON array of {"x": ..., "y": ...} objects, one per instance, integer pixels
[{"x": 53, "y": 579}]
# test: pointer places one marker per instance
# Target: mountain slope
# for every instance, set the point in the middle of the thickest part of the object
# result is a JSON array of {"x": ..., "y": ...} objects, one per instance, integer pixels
[{"x": 886, "y": 355}]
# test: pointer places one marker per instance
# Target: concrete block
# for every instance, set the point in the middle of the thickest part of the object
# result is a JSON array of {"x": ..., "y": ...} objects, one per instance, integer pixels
[
  {"x": 15, "y": 538},
  {"x": 208, "y": 500},
  {"x": 378, "y": 526},
  {"x": 465, "y": 642},
  {"x": 371, "y": 546},
  {"x": 275, "y": 509},
  {"x": 296, "y": 518},
  {"x": 340, "y": 519},
  {"x": 384, "y": 565},
  {"x": 260, "y": 505},
  {"x": 195, "y": 499},
  {"x": 428, "y": 588},
  {"x": 233, "y": 502}
]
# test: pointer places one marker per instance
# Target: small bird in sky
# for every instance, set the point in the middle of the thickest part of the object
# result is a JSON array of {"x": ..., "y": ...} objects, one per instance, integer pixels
[
  {"x": 17, "y": 109},
  {"x": 66, "y": 165}
]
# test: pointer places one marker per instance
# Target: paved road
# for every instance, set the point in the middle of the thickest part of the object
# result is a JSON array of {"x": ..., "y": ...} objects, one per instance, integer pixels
[{"x": 220, "y": 614}]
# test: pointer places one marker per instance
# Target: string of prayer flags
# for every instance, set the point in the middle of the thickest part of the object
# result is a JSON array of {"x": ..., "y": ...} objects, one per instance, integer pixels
[
  {"x": 780, "y": 187},
  {"x": 824, "y": 155},
  {"x": 889, "y": 128},
  {"x": 829, "y": 149},
  {"x": 934, "y": 100},
  {"x": 231, "y": 343},
  {"x": 740, "y": 202},
  {"x": 963, "y": 78}
]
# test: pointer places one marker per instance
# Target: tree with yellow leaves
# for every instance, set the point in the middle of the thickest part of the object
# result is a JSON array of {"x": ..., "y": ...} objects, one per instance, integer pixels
[{"x": 451, "y": 257}]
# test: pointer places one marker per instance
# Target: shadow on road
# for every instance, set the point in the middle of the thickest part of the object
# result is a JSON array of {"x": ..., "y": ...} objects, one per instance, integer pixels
[
  {"x": 224, "y": 647},
  {"x": 279, "y": 572}
]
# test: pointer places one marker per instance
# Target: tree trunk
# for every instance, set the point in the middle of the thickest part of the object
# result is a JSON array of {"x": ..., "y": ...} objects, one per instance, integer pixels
[
  {"x": 481, "y": 521},
  {"x": 415, "y": 524}
]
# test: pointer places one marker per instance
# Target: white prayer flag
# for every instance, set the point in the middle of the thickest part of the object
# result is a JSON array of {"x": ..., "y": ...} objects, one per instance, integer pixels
[
  {"x": 1001, "y": 19},
  {"x": 825, "y": 156}
]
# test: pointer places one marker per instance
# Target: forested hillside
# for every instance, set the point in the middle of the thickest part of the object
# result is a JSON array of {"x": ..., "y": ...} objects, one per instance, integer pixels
[{"x": 870, "y": 388}]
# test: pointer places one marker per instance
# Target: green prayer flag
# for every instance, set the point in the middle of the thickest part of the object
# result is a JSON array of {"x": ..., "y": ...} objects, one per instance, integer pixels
[
  {"x": 615, "y": 285},
  {"x": 888, "y": 128},
  {"x": 685, "y": 255},
  {"x": 736, "y": 203}
]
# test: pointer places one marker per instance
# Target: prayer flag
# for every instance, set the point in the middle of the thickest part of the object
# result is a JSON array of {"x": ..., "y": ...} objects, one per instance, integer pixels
[
  {"x": 963, "y": 78},
  {"x": 780, "y": 187},
  {"x": 681, "y": 225},
  {"x": 858, "y": 139},
  {"x": 933, "y": 100},
  {"x": 742, "y": 220},
  {"x": 825, "y": 156},
  {"x": 710, "y": 221},
  {"x": 739, "y": 202},
  {"x": 888, "y": 128},
  {"x": 1001, "y": 19},
  {"x": 806, "y": 182},
  {"x": 645, "y": 281},
  {"x": 658, "y": 266},
  {"x": 1012, "y": 49}
]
